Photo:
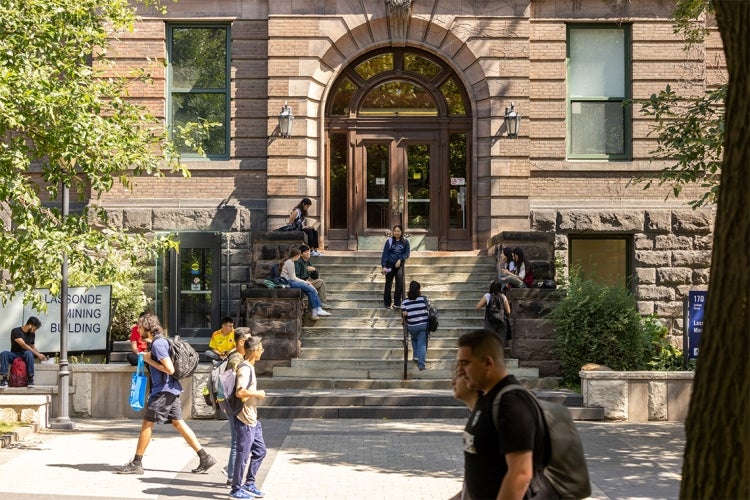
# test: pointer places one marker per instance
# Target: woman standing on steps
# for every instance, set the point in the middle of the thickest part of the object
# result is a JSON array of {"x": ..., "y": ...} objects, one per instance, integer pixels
[
  {"x": 414, "y": 311},
  {"x": 395, "y": 252}
]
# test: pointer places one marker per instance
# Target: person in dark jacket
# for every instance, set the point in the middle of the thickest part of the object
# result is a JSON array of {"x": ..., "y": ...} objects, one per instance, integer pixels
[{"x": 395, "y": 252}]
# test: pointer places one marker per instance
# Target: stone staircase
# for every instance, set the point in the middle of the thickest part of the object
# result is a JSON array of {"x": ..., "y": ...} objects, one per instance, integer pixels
[{"x": 351, "y": 364}]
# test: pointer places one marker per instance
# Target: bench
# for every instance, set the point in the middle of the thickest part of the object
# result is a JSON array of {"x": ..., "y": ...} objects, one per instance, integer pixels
[
  {"x": 121, "y": 348},
  {"x": 25, "y": 408}
]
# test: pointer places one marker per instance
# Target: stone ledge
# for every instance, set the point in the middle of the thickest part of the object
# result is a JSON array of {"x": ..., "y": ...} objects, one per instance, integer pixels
[
  {"x": 26, "y": 408},
  {"x": 638, "y": 396}
]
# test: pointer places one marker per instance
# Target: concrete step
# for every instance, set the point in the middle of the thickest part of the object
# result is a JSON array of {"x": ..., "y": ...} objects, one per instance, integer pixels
[
  {"x": 378, "y": 343},
  {"x": 389, "y": 384},
  {"x": 365, "y": 323},
  {"x": 393, "y": 403},
  {"x": 430, "y": 289},
  {"x": 329, "y": 369},
  {"x": 432, "y": 362},
  {"x": 375, "y": 353},
  {"x": 343, "y": 302},
  {"x": 323, "y": 328}
]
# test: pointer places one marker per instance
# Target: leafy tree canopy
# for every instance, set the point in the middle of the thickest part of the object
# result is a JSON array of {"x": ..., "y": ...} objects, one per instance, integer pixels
[{"x": 66, "y": 121}]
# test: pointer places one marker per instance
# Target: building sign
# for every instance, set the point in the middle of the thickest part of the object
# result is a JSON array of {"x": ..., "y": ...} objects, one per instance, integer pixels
[
  {"x": 694, "y": 311},
  {"x": 458, "y": 181},
  {"x": 88, "y": 320}
]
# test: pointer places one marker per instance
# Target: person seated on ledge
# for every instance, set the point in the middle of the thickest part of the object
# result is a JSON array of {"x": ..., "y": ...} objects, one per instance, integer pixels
[
  {"x": 306, "y": 271},
  {"x": 298, "y": 217},
  {"x": 523, "y": 274},
  {"x": 138, "y": 343},
  {"x": 222, "y": 341},
  {"x": 21, "y": 346},
  {"x": 288, "y": 272}
]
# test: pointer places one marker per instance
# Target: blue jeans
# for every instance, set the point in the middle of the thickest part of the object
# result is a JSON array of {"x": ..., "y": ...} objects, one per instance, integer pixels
[
  {"x": 232, "y": 445},
  {"x": 310, "y": 291},
  {"x": 250, "y": 448},
  {"x": 7, "y": 358},
  {"x": 419, "y": 342}
]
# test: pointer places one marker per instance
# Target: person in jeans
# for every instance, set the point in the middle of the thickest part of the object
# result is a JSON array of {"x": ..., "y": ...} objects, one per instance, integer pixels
[
  {"x": 233, "y": 361},
  {"x": 22, "y": 340},
  {"x": 251, "y": 449},
  {"x": 395, "y": 251},
  {"x": 163, "y": 404},
  {"x": 288, "y": 272},
  {"x": 414, "y": 310},
  {"x": 306, "y": 271}
]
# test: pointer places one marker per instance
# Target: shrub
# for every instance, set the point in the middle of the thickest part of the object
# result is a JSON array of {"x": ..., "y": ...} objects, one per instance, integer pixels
[
  {"x": 595, "y": 323},
  {"x": 661, "y": 354}
]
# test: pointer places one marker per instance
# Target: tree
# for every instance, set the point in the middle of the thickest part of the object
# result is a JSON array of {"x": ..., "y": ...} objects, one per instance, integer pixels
[
  {"x": 65, "y": 121},
  {"x": 717, "y": 453}
]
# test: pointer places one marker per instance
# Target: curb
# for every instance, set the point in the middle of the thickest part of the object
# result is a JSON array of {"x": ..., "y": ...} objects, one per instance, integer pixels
[{"x": 19, "y": 434}]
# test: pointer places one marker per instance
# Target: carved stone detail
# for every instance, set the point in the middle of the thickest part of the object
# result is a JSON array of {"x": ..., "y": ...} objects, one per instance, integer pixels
[{"x": 399, "y": 12}]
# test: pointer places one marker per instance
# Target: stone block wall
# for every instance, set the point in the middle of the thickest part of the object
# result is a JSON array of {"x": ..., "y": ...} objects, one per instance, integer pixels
[
  {"x": 671, "y": 252},
  {"x": 532, "y": 342}
]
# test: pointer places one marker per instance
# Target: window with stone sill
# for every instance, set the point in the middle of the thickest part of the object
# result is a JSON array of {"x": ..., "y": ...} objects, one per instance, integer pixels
[
  {"x": 599, "y": 88},
  {"x": 606, "y": 258},
  {"x": 198, "y": 89}
]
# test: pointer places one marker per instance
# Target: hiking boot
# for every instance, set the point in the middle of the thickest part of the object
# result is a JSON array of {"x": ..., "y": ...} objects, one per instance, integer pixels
[
  {"x": 129, "y": 468},
  {"x": 204, "y": 465},
  {"x": 30, "y": 381},
  {"x": 251, "y": 488},
  {"x": 3, "y": 383}
]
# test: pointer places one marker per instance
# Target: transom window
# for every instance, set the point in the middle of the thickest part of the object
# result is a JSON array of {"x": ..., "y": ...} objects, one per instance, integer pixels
[
  {"x": 598, "y": 88},
  {"x": 398, "y": 82},
  {"x": 198, "y": 89}
]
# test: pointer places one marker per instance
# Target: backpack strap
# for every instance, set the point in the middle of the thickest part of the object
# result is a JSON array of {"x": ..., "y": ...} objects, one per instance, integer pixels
[{"x": 539, "y": 465}]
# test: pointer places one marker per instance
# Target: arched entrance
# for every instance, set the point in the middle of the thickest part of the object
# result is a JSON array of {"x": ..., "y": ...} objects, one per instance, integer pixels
[{"x": 398, "y": 129}]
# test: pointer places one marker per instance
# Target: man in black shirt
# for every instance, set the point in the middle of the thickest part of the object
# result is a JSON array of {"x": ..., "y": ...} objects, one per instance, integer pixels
[
  {"x": 500, "y": 450},
  {"x": 22, "y": 340}
]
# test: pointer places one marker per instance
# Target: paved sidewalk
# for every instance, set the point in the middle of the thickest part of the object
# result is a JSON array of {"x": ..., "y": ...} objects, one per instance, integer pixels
[{"x": 320, "y": 459}]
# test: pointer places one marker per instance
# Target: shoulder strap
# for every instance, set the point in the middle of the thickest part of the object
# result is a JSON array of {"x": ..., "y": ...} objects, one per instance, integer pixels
[{"x": 539, "y": 411}]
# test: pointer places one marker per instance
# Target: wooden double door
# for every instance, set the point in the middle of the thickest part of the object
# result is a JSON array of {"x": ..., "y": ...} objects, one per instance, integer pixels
[{"x": 412, "y": 178}]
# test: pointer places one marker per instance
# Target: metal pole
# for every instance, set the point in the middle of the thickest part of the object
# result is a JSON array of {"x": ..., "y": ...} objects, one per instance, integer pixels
[{"x": 63, "y": 420}]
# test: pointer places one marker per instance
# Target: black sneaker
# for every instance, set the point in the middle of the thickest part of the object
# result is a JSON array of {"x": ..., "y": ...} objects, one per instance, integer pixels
[
  {"x": 204, "y": 465},
  {"x": 30, "y": 381},
  {"x": 3, "y": 383},
  {"x": 129, "y": 468}
]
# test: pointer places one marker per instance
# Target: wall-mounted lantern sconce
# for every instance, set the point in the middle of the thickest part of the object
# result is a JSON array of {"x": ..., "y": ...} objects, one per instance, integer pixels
[
  {"x": 512, "y": 121},
  {"x": 286, "y": 118}
]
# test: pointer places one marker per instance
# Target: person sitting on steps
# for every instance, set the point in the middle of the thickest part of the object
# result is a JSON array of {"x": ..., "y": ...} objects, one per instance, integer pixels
[
  {"x": 306, "y": 271},
  {"x": 22, "y": 340},
  {"x": 288, "y": 272}
]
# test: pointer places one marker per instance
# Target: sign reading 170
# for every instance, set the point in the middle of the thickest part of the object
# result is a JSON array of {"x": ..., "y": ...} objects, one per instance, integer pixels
[{"x": 696, "y": 306}]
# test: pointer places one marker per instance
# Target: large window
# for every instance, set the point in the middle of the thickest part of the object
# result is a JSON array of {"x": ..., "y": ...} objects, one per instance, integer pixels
[
  {"x": 598, "y": 90},
  {"x": 605, "y": 259},
  {"x": 198, "y": 91}
]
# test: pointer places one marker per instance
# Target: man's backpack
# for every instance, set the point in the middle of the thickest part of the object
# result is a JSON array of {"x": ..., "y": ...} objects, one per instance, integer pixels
[
  {"x": 566, "y": 470},
  {"x": 214, "y": 391},
  {"x": 17, "y": 374},
  {"x": 231, "y": 404},
  {"x": 496, "y": 309},
  {"x": 184, "y": 358}
]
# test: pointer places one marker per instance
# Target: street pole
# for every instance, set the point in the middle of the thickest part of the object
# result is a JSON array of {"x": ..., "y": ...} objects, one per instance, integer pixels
[{"x": 63, "y": 420}]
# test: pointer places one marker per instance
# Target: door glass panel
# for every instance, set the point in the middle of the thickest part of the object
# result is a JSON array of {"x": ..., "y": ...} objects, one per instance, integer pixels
[
  {"x": 195, "y": 288},
  {"x": 418, "y": 207},
  {"x": 457, "y": 195},
  {"x": 339, "y": 210},
  {"x": 378, "y": 179}
]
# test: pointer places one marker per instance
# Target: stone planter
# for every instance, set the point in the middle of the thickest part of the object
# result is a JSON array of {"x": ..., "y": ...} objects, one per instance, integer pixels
[{"x": 638, "y": 396}]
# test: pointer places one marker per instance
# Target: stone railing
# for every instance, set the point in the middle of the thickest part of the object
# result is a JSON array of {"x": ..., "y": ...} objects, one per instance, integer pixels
[{"x": 638, "y": 396}]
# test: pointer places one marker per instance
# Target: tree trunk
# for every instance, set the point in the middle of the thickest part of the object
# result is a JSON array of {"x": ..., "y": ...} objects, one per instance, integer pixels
[{"x": 717, "y": 454}]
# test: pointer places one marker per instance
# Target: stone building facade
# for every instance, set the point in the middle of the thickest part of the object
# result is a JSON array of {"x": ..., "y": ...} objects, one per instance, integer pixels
[{"x": 399, "y": 117}]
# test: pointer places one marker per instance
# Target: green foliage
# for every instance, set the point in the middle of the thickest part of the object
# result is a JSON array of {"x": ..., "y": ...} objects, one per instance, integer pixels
[
  {"x": 691, "y": 133},
  {"x": 595, "y": 323},
  {"x": 663, "y": 355},
  {"x": 65, "y": 121}
]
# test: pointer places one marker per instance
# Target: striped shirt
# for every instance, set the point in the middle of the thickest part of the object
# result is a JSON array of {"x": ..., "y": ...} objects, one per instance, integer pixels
[{"x": 416, "y": 311}]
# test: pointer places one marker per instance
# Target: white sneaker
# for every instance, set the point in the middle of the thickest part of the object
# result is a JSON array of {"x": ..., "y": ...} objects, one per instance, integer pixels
[
  {"x": 315, "y": 253},
  {"x": 321, "y": 312}
]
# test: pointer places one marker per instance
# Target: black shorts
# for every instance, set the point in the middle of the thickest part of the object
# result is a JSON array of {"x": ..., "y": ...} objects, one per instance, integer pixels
[{"x": 163, "y": 407}]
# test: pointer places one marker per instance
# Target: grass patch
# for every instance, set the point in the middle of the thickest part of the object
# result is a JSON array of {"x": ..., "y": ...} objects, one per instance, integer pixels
[{"x": 5, "y": 427}]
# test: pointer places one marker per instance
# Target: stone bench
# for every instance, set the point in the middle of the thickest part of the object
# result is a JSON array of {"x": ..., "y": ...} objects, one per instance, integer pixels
[
  {"x": 25, "y": 408},
  {"x": 121, "y": 348},
  {"x": 638, "y": 396}
]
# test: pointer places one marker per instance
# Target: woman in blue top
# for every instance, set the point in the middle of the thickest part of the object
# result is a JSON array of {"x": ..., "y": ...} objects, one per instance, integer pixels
[
  {"x": 395, "y": 252},
  {"x": 414, "y": 310}
]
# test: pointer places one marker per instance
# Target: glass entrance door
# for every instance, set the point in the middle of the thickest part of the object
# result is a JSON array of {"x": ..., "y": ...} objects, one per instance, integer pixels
[
  {"x": 396, "y": 178},
  {"x": 188, "y": 293}
]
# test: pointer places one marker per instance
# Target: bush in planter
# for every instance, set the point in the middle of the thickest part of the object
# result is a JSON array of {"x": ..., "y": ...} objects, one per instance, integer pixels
[
  {"x": 662, "y": 355},
  {"x": 595, "y": 323}
]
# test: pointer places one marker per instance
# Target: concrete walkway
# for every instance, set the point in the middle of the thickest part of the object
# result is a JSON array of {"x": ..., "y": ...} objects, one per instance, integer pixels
[{"x": 317, "y": 459}]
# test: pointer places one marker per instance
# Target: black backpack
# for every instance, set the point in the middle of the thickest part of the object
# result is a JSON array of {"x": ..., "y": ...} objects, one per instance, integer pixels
[
  {"x": 184, "y": 358},
  {"x": 495, "y": 311},
  {"x": 566, "y": 470},
  {"x": 433, "y": 315}
]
